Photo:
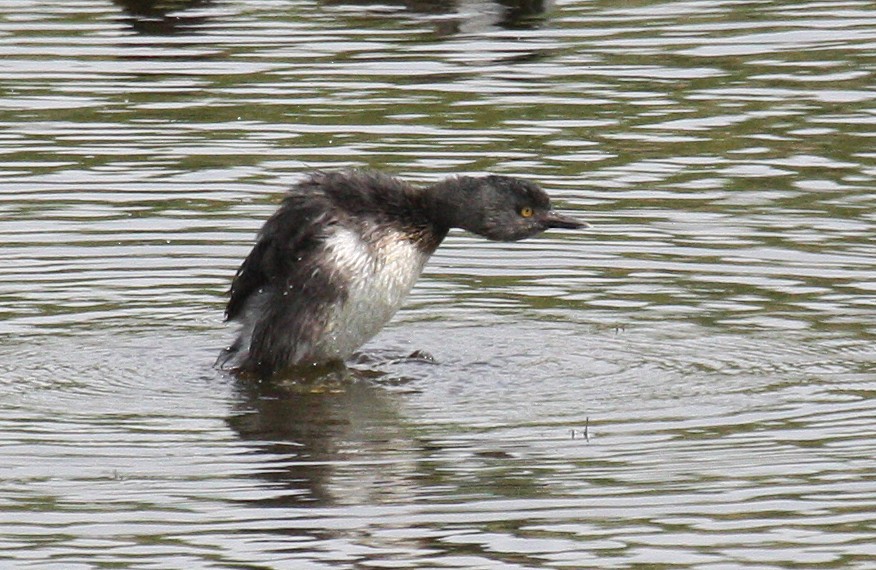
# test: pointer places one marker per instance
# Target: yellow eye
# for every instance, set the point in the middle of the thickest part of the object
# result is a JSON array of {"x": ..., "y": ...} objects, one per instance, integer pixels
[{"x": 526, "y": 212}]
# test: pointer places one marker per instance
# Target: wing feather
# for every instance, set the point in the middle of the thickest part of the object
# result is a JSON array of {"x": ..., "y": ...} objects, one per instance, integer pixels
[{"x": 283, "y": 241}]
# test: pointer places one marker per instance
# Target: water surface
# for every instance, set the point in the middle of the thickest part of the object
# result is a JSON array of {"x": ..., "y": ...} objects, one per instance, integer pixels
[{"x": 689, "y": 384}]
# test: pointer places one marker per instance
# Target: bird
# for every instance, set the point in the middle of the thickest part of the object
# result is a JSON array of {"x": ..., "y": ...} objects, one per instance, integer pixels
[{"x": 339, "y": 256}]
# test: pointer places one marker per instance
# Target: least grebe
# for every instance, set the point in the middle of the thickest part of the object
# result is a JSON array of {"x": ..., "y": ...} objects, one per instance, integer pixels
[{"x": 333, "y": 264}]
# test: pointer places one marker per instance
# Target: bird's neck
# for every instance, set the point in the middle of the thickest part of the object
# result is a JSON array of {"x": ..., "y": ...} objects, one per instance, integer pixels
[{"x": 449, "y": 203}]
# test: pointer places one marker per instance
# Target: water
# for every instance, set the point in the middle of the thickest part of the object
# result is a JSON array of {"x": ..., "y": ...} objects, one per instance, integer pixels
[{"x": 690, "y": 383}]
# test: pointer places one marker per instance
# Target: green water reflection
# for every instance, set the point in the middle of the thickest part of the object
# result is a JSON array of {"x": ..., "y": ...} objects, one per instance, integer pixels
[{"x": 714, "y": 329}]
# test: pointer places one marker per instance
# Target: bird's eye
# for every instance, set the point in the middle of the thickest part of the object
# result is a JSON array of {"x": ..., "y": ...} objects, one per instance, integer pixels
[{"x": 526, "y": 212}]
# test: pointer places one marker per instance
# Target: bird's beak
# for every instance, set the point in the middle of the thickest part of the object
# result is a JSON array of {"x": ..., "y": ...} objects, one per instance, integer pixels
[{"x": 554, "y": 220}]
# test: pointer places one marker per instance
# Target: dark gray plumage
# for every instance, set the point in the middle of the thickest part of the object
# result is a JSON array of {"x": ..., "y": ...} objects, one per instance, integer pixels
[{"x": 339, "y": 256}]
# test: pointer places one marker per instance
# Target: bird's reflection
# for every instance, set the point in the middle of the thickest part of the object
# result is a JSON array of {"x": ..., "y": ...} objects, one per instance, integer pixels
[
  {"x": 161, "y": 17},
  {"x": 521, "y": 14},
  {"x": 465, "y": 15},
  {"x": 333, "y": 437},
  {"x": 448, "y": 18}
]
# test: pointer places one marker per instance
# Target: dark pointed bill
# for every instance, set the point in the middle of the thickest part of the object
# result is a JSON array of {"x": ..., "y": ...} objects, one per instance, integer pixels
[{"x": 555, "y": 220}]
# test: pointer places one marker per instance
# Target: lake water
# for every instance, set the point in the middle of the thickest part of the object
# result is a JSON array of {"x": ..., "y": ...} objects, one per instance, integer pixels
[{"x": 690, "y": 383}]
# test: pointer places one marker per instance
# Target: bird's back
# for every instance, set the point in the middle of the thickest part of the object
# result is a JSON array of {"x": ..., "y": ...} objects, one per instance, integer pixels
[{"x": 328, "y": 270}]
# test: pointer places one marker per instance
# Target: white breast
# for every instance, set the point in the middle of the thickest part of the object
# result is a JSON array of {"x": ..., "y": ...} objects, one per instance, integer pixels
[{"x": 379, "y": 278}]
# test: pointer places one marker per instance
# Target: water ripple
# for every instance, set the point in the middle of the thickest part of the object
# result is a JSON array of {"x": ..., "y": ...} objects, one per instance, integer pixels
[{"x": 689, "y": 382}]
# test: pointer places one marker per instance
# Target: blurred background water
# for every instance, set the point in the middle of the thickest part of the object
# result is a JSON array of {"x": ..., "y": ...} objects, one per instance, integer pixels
[{"x": 690, "y": 383}]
